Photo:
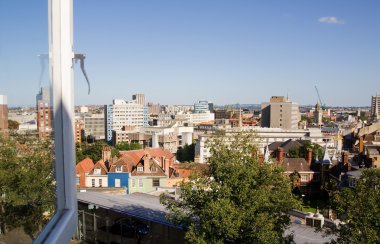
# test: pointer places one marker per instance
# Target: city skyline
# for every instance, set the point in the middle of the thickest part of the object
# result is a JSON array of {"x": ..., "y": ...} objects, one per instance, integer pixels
[{"x": 225, "y": 52}]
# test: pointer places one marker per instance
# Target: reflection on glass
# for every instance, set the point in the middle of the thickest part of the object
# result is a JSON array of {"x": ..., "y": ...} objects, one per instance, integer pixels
[{"x": 27, "y": 185}]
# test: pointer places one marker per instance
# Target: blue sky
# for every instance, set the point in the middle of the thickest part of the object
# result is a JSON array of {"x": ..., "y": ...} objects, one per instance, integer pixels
[{"x": 177, "y": 52}]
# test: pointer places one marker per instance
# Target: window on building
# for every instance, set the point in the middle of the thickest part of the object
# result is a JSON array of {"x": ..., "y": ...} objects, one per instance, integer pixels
[
  {"x": 92, "y": 182},
  {"x": 155, "y": 182},
  {"x": 304, "y": 178},
  {"x": 140, "y": 169},
  {"x": 100, "y": 182},
  {"x": 141, "y": 183},
  {"x": 97, "y": 171},
  {"x": 133, "y": 183},
  {"x": 119, "y": 168}
]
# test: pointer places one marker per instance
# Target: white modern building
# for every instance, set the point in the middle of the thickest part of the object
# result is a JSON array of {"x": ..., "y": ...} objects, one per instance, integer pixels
[
  {"x": 196, "y": 118},
  {"x": 123, "y": 113},
  {"x": 266, "y": 136},
  {"x": 171, "y": 138}
]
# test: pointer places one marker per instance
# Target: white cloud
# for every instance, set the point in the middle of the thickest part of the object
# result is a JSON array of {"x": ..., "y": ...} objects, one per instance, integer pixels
[{"x": 331, "y": 20}]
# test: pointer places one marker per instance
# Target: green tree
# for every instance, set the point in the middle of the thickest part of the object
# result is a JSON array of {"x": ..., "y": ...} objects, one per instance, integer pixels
[
  {"x": 359, "y": 208},
  {"x": 301, "y": 152},
  {"x": 187, "y": 153},
  {"x": 237, "y": 200},
  {"x": 13, "y": 125},
  {"x": 309, "y": 120},
  {"x": 93, "y": 151},
  {"x": 26, "y": 183},
  {"x": 125, "y": 146}
]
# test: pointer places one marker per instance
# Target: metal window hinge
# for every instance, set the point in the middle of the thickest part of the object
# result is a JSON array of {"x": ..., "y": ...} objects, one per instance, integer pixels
[
  {"x": 81, "y": 57},
  {"x": 78, "y": 56}
]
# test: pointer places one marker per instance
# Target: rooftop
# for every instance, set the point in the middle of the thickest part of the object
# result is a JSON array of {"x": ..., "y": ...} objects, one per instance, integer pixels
[{"x": 139, "y": 205}]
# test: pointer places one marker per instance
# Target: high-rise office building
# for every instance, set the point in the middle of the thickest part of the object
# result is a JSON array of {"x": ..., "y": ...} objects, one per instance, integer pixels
[
  {"x": 375, "y": 107},
  {"x": 44, "y": 113},
  {"x": 202, "y": 107},
  {"x": 139, "y": 98},
  {"x": 3, "y": 113},
  {"x": 123, "y": 114},
  {"x": 280, "y": 112},
  {"x": 94, "y": 126}
]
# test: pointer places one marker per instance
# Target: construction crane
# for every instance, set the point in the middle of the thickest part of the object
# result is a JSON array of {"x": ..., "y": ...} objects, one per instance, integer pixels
[{"x": 323, "y": 106}]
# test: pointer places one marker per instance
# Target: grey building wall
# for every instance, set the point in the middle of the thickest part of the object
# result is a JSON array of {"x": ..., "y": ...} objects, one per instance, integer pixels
[{"x": 280, "y": 113}]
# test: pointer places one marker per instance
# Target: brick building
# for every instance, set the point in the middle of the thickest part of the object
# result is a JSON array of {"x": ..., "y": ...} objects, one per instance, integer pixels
[{"x": 3, "y": 113}]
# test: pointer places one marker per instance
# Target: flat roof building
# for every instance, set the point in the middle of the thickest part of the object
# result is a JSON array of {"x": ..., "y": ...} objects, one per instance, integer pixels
[{"x": 280, "y": 112}]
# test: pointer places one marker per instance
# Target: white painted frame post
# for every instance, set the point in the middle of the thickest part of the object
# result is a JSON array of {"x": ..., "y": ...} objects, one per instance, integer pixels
[{"x": 63, "y": 224}]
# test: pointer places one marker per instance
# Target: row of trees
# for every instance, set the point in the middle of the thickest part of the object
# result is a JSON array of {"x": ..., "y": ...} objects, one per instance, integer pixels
[{"x": 94, "y": 150}]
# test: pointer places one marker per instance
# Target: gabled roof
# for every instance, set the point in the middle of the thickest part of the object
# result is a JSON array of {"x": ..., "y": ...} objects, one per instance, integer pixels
[
  {"x": 84, "y": 166},
  {"x": 155, "y": 169},
  {"x": 137, "y": 155},
  {"x": 298, "y": 164},
  {"x": 125, "y": 161},
  {"x": 100, "y": 165}
]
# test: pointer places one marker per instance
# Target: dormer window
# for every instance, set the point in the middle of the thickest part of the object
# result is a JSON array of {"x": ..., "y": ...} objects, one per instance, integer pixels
[
  {"x": 140, "y": 169},
  {"x": 97, "y": 171},
  {"x": 119, "y": 169}
]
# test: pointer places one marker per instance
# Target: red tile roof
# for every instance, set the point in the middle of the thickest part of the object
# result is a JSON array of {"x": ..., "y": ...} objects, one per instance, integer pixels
[
  {"x": 100, "y": 165},
  {"x": 136, "y": 155},
  {"x": 84, "y": 166}
]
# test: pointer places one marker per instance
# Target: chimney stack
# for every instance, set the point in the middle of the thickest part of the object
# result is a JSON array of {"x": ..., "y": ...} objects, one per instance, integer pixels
[
  {"x": 162, "y": 162},
  {"x": 146, "y": 163},
  {"x": 309, "y": 156},
  {"x": 106, "y": 154},
  {"x": 280, "y": 154},
  {"x": 167, "y": 165}
]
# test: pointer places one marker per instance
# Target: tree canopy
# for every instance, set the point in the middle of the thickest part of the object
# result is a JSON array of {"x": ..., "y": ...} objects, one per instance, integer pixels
[
  {"x": 187, "y": 153},
  {"x": 93, "y": 151},
  {"x": 125, "y": 146},
  {"x": 237, "y": 200},
  {"x": 359, "y": 208},
  {"x": 301, "y": 152},
  {"x": 13, "y": 125},
  {"x": 26, "y": 183}
]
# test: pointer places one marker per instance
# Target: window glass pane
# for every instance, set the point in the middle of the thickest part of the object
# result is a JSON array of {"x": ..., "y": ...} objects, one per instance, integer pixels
[{"x": 27, "y": 181}]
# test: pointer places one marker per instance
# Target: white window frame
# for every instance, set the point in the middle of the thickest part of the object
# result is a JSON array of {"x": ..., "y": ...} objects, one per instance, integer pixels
[
  {"x": 118, "y": 168},
  {"x": 63, "y": 224},
  {"x": 304, "y": 178}
]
